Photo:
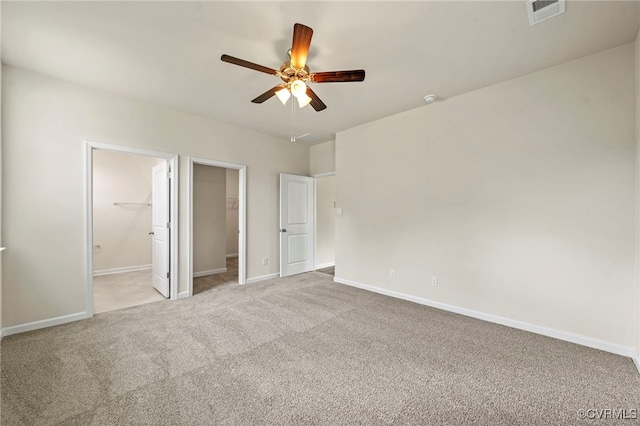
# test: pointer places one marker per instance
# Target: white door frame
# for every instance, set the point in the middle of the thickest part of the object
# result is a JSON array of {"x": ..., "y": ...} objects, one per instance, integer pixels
[
  {"x": 242, "y": 217},
  {"x": 89, "y": 146},
  {"x": 315, "y": 214}
]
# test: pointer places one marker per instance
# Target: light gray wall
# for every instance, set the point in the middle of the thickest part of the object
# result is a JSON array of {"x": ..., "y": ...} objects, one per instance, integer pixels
[
  {"x": 519, "y": 197},
  {"x": 637, "y": 320},
  {"x": 1, "y": 133},
  {"x": 45, "y": 123},
  {"x": 233, "y": 177},
  {"x": 325, "y": 221},
  {"x": 121, "y": 231},
  {"x": 322, "y": 158},
  {"x": 209, "y": 219}
]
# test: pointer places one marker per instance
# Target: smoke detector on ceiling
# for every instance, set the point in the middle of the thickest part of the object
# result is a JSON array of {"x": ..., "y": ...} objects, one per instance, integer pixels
[
  {"x": 541, "y": 10},
  {"x": 430, "y": 99}
]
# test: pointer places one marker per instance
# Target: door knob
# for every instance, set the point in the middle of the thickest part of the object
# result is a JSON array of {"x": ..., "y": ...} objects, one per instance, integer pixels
[
  {"x": 151, "y": 233},
  {"x": 283, "y": 230}
]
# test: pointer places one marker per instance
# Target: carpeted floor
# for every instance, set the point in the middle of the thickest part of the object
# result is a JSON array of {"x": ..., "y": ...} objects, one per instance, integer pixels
[
  {"x": 331, "y": 270},
  {"x": 208, "y": 282},
  {"x": 303, "y": 350}
]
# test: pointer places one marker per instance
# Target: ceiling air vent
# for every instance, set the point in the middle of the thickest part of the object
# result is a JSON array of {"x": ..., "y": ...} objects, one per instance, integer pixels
[
  {"x": 541, "y": 10},
  {"x": 308, "y": 138}
]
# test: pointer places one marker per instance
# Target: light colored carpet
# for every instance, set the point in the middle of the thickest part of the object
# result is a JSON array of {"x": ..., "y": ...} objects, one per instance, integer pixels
[
  {"x": 303, "y": 350},
  {"x": 208, "y": 282},
  {"x": 331, "y": 270}
]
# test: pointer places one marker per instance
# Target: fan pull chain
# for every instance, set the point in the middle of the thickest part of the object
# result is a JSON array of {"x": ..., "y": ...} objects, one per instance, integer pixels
[{"x": 293, "y": 119}]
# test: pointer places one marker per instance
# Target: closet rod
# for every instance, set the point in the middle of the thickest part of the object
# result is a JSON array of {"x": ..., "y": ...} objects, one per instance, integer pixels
[{"x": 131, "y": 204}]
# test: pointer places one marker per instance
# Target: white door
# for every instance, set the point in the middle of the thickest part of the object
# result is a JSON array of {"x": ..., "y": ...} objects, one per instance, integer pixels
[
  {"x": 161, "y": 224},
  {"x": 296, "y": 224}
]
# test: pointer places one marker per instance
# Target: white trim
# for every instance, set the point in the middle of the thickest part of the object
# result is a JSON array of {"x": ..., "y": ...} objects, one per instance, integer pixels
[
  {"x": 130, "y": 150},
  {"x": 36, "y": 325},
  {"x": 183, "y": 295},
  {"x": 175, "y": 242},
  {"x": 88, "y": 226},
  {"x": 325, "y": 265},
  {"x": 636, "y": 361},
  {"x": 210, "y": 272},
  {"x": 89, "y": 146},
  {"x": 521, "y": 325},
  {"x": 263, "y": 278},
  {"x": 242, "y": 215},
  {"x": 121, "y": 270},
  {"x": 3, "y": 248},
  {"x": 325, "y": 174},
  {"x": 229, "y": 256},
  {"x": 315, "y": 222}
]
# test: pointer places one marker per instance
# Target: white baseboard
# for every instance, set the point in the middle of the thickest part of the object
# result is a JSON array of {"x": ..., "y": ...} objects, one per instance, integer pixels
[
  {"x": 262, "y": 278},
  {"x": 36, "y": 325},
  {"x": 521, "y": 325},
  {"x": 183, "y": 295},
  {"x": 210, "y": 272},
  {"x": 325, "y": 265},
  {"x": 232, "y": 255},
  {"x": 121, "y": 270},
  {"x": 636, "y": 359}
]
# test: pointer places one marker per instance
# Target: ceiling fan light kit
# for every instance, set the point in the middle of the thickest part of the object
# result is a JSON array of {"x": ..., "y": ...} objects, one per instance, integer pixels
[
  {"x": 296, "y": 74},
  {"x": 283, "y": 94}
]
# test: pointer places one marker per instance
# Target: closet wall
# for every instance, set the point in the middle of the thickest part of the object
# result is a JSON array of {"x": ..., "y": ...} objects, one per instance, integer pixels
[
  {"x": 209, "y": 220},
  {"x": 121, "y": 211},
  {"x": 325, "y": 221},
  {"x": 232, "y": 212}
]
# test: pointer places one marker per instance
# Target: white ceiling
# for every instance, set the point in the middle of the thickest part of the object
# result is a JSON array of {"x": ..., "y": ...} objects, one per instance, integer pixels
[{"x": 169, "y": 53}]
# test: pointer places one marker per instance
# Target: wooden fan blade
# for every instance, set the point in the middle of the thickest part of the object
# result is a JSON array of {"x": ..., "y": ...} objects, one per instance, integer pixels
[
  {"x": 300, "y": 46},
  {"x": 316, "y": 103},
  {"x": 247, "y": 64},
  {"x": 267, "y": 95},
  {"x": 337, "y": 76}
]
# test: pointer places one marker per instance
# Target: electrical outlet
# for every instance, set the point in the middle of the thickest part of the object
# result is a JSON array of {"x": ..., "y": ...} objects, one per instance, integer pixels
[
  {"x": 434, "y": 280},
  {"x": 265, "y": 261},
  {"x": 392, "y": 273}
]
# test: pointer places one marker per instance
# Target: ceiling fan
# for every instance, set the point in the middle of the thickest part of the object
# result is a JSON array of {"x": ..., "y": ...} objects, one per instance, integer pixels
[{"x": 296, "y": 74}]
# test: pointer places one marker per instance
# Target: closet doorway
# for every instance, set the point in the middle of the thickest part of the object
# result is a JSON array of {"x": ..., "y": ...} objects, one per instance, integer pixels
[
  {"x": 129, "y": 215},
  {"x": 217, "y": 224}
]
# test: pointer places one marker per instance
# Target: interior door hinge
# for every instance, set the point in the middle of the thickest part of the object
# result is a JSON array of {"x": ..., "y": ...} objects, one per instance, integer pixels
[
  {"x": 168, "y": 275},
  {"x": 168, "y": 225}
]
